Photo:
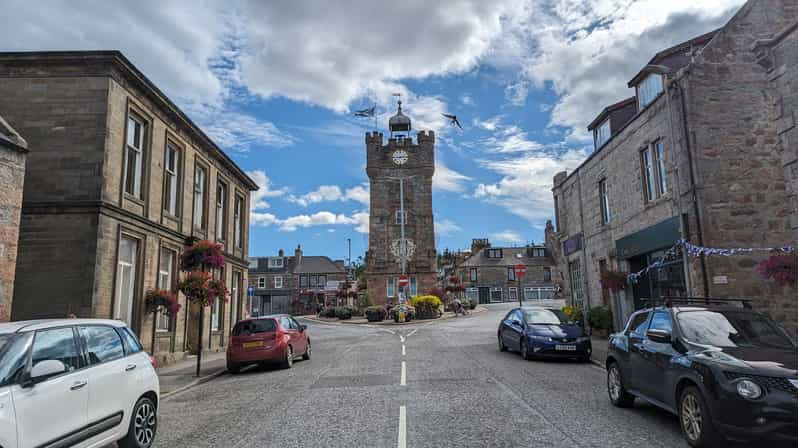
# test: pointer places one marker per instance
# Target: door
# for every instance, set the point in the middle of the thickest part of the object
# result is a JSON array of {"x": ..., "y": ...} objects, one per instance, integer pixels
[
  {"x": 636, "y": 334},
  {"x": 293, "y": 335},
  {"x": 484, "y": 295},
  {"x": 655, "y": 361},
  {"x": 515, "y": 329},
  {"x": 302, "y": 336},
  {"x": 53, "y": 408},
  {"x": 111, "y": 384}
]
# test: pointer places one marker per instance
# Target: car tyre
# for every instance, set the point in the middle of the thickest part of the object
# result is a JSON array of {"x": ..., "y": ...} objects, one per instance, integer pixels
[
  {"x": 233, "y": 367},
  {"x": 289, "y": 358},
  {"x": 306, "y": 356},
  {"x": 502, "y": 347},
  {"x": 615, "y": 388},
  {"x": 525, "y": 350},
  {"x": 143, "y": 424},
  {"x": 696, "y": 420}
]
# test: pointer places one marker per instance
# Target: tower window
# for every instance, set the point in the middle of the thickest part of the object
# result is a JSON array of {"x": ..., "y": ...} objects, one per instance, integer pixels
[{"x": 401, "y": 217}]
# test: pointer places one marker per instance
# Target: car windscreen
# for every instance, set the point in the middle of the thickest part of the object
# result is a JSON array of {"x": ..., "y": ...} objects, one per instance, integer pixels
[
  {"x": 543, "y": 316},
  {"x": 732, "y": 329},
  {"x": 250, "y": 327}
]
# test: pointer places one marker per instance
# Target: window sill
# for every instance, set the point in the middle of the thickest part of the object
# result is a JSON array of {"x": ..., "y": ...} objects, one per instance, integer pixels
[
  {"x": 163, "y": 333},
  {"x": 134, "y": 199},
  {"x": 170, "y": 216}
]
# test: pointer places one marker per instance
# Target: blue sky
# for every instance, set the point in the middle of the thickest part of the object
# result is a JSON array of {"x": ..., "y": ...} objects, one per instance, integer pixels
[{"x": 275, "y": 84}]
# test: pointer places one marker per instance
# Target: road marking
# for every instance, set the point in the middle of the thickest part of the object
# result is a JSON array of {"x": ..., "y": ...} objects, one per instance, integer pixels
[
  {"x": 403, "y": 381},
  {"x": 402, "y": 443},
  {"x": 411, "y": 333},
  {"x": 387, "y": 330},
  {"x": 401, "y": 338},
  {"x": 403, "y": 350}
]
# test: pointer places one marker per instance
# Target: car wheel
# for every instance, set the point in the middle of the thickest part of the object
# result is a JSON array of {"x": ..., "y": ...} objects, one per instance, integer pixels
[
  {"x": 143, "y": 423},
  {"x": 502, "y": 347},
  {"x": 289, "y": 358},
  {"x": 525, "y": 350},
  {"x": 306, "y": 356},
  {"x": 617, "y": 392},
  {"x": 696, "y": 421},
  {"x": 233, "y": 367}
]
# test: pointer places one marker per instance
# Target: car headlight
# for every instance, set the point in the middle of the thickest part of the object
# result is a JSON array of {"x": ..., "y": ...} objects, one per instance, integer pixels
[
  {"x": 583, "y": 339},
  {"x": 749, "y": 389},
  {"x": 539, "y": 338}
]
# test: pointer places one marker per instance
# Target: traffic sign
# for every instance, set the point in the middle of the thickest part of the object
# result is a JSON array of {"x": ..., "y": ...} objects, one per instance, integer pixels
[
  {"x": 520, "y": 270},
  {"x": 403, "y": 281},
  {"x": 250, "y": 291}
]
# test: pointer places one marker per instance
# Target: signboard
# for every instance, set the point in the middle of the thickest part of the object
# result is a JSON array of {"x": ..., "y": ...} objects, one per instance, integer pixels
[
  {"x": 251, "y": 291},
  {"x": 720, "y": 280},
  {"x": 572, "y": 244},
  {"x": 403, "y": 281},
  {"x": 520, "y": 270},
  {"x": 659, "y": 236}
]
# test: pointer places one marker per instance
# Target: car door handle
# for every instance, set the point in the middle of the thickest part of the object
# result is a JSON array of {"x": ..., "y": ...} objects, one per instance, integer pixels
[
  {"x": 130, "y": 367},
  {"x": 78, "y": 385}
]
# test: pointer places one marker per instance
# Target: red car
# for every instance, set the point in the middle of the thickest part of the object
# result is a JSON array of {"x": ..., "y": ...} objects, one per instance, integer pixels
[{"x": 276, "y": 338}]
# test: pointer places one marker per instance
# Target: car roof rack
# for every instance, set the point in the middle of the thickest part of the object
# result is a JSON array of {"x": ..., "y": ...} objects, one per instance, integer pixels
[{"x": 669, "y": 301}]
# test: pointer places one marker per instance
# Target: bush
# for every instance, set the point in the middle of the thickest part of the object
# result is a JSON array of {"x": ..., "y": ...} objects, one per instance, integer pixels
[
  {"x": 600, "y": 317},
  {"x": 410, "y": 313},
  {"x": 472, "y": 304},
  {"x": 574, "y": 313},
  {"x": 343, "y": 312},
  {"x": 427, "y": 307},
  {"x": 327, "y": 312},
  {"x": 375, "y": 313}
]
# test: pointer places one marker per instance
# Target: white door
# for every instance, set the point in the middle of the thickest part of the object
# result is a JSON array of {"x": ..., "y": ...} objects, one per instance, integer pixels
[
  {"x": 55, "y": 407},
  {"x": 110, "y": 375}
]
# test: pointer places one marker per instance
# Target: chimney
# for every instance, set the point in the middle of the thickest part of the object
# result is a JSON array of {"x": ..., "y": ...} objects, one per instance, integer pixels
[
  {"x": 280, "y": 253},
  {"x": 478, "y": 244},
  {"x": 298, "y": 255}
]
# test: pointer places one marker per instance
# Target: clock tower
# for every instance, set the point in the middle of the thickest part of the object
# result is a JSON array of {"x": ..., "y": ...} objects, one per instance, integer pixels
[{"x": 400, "y": 178}]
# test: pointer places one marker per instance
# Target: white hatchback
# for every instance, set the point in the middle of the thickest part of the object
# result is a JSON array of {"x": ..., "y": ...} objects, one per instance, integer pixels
[{"x": 75, "y": 382}]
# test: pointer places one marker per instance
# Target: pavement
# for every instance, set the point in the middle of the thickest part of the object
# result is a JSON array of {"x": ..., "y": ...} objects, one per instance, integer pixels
[
  {"x": 445, "y": 384},
  {"x": 182, "y": 375}
]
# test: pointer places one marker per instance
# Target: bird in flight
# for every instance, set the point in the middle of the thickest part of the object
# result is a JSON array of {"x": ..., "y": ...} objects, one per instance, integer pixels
[{"x": 453, "y": 120}]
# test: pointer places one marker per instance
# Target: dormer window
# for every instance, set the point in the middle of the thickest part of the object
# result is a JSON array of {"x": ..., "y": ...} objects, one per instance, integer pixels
[
  {"x": 275, "y": 262},
  {"x": 601, "y": 134},
  {"x": 649, "y": 89},
  {"x": 494, "y": 253}
]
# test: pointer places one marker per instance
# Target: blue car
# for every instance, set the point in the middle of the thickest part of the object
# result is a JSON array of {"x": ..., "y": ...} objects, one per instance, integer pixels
[{"x": 538, "y": 332}]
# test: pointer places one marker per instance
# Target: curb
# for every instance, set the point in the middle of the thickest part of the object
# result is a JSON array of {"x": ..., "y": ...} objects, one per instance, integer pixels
[
  {"x": 388, "y": 323},
  {"x": 196, "y": 382}
]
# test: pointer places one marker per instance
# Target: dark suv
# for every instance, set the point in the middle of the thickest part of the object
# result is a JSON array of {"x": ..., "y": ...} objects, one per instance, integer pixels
[{"x": 727, "y": 371}]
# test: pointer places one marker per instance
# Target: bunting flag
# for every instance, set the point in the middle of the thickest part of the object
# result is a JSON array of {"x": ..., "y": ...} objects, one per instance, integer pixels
[{"x": 368, "y": 113}]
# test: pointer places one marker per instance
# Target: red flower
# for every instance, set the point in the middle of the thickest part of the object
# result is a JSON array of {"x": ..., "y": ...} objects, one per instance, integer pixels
[
  {"x": 783, "y": 269},
  {"x": 613, "y": 280},
  {"x": 159, "y": 299}
]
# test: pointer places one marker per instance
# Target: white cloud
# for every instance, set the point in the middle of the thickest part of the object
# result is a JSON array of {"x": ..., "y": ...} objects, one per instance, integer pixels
[
  {"x": 330, "y": 193},
  {"x": 258, "y": 198},
  {"x": 489, "y": 124},
  {"x": 505, "y": 138},
  {"x": 506, "y": 236},
  {"x": 446, "y": 227},
  {"x": 516, "y": 93},
  {"x": 447, "y": 179},
  {"x": 241, "y": 132},
  {"x": 467, "y": 99},
  {"x": 360, "y": 221}
]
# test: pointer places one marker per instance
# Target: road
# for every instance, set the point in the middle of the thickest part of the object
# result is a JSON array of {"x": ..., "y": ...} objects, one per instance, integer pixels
[{"x": 455, "y": 390}]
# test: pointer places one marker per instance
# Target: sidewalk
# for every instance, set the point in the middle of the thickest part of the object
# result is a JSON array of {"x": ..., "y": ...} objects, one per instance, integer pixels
[
  {"x": 363, "y": 320},
  {"x": 599, "y": 350},
  {"x": 181, "y": 375}
]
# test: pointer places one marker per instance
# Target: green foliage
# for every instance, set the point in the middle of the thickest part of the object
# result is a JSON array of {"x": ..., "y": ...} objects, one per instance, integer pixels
[
  {"x": 574, "y": 313},
  {"x": 426, "y": 303},
  {"x": 327, "y": 312},
  {"x": 600, "y": 317},
  {"x": 375, "y": 313},
  {"x": 343, "y": 312}
]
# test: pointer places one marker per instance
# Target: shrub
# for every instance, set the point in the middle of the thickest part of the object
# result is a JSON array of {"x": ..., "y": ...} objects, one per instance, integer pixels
[
  {"x": 343, "y": 312},
  {"x": 573, "y": 313},
  {"x": 427, "y": 306},
  {"x": 327, "y": 312},
  {"x": 375, "y": 313},
  {"x": 600, "y": 317},
  {"x": 472, "y": 304},
  {"x": 410, "y": 313}
]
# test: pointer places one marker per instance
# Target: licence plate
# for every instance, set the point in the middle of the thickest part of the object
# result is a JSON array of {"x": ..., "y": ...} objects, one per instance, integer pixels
[
  {"x": 565, "y": 348},
  {"x": 252, "y": 344}
]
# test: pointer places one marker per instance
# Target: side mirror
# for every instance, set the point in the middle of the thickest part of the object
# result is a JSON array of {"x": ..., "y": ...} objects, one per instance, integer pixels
[
  {"x": 45, "y": 369},
  {"x": 661, "y": 336},
  {"x": 303, "y": 327}
]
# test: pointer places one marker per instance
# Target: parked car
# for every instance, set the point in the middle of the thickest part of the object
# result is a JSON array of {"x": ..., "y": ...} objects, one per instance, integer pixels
[
  {"x": 277, "y": 338},
  {"x": 536, "y": 331},
  {"x": 728, "y": 372},
  {"x": 75, "y": 382}
]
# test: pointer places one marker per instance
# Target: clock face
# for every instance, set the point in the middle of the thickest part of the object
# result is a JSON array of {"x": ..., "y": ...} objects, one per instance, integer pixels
[{"x": 399, "y": 157}]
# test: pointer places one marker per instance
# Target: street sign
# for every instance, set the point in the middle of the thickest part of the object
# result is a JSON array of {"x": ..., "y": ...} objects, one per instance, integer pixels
[
  {"x": 403, "y": 281},
  {"x": 250, "y": 291},
  {"x": 520, "y": 270}
]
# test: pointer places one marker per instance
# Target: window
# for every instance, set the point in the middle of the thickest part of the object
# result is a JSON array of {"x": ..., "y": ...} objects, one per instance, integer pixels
[
  {"x": 494, "y": 253},
  {"x": 165, "y": 276},
  {"x": 322, "y": 281},
  {"x": 511, "y": 274},
  {"x": 134, "y": 155},
  {"x": 56, "y": 344},
  {"x": 216, "y": 312},
  {"x": 275, "y": 263},
  {"x": 278, "y": 281},
  {"x": 661, "y": 321},
  {"x": 312, "y": 282},
  {"x": 234, "y": 296},
  {"x": 649, "y": 180},
  {"x": 530, "y": 293},
  {"x": 648, "y": 90},
  {"x": 199, "y": 197},
  {"x": 604, "y": 200},
  {"x": 286, "y": 324},
  {"x": 251, "y": 327},
  {"x": 654, "y": 174},
  {"x": 473, "y": 276},
  {"x": 513, "y": 293},
  {"x": 391, "y": 287},
  {"x": 132, "y": 344},
  {"x": 126, "y": 279},
  {"x": 170, "y": 179},
  {"x": 238, "y": 223},
  {"x": 472, "y": 294},
  {"x": 401, "y": 217},
  {"x": 221, "y": 211},
  {"x": 658, "y": 153},
  {"x": 556, "y": 213},
  {"x": 601, "y": 134},
  {"x": 303, "y": 281},
  {"x": 546, "y": 274},
  {"x": 261, "y": 282},
  {"x": 102, "y": 344},
  {"x": 637, "y": 325},
  {"x": 495, "y": 294},
  {"x": 538, "y": 252},
  {"x": 413, "y": 287},
  {"x": 576, "y": 282}
]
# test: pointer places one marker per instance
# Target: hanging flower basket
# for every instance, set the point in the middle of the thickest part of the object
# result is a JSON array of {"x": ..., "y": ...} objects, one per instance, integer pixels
[
  {"x": 161, "y": 300},
  {"x": 194, "y": 286},
  {"x": 203, "y": 254},
  {"x": 217, "y": 290},
  {"x": 613, "y": 280},
  {"x": 783, "y": 269}
]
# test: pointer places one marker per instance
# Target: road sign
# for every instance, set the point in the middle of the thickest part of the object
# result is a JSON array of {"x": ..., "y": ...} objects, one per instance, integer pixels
[
  {"x": 403, "y": 281},
  {"x": 250, "y": 291},
  {"x": 520, "y": 270}
]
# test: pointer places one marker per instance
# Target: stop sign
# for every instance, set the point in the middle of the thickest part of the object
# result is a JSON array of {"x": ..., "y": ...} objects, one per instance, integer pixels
[
  {"x": 403, "y": 280},
  {"x": 520, "y": 270}
]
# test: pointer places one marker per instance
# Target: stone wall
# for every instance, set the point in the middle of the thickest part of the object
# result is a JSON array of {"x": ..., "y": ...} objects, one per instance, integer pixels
[{"x": 12, "y": 179}]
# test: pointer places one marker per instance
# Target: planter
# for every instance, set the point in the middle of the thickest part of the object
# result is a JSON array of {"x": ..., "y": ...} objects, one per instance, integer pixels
[{"x": 428, "y": 314}]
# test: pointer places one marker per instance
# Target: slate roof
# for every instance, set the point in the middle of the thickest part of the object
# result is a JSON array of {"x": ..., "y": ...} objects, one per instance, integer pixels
[
  {"x": 11, "y": 138},
  {"x": 310, "y": 264},
  {"x": 511, "y": 256}
]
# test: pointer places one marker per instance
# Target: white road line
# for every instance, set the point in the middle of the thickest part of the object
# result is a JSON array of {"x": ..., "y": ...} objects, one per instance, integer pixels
[
  {"x": 401, "y": 338},
  {"x": 411, "y": 333},
  {"x": 402, "y": 442},
  {"x": 403, "y": 350},
  {"x": 386, "y": 330},
  {"x": 403, "y": 381}
]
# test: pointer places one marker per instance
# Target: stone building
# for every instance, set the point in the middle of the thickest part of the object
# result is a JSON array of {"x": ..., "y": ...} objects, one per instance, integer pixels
[
  {"x": 293, "y": 284},
  {"x": 489, "y": 273},
  {"x": 401, "y": 169},
  {"x": 121, "y": 177},
  {"x": 706, "y": 156},
  {"x": 13, "y": 151}
]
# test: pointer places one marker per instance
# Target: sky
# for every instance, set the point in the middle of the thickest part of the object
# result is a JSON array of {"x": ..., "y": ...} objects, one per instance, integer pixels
[{"x": 275, "y": 85}]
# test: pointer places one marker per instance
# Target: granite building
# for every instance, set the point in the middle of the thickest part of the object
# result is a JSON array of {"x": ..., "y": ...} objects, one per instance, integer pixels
[
  {"x": 400, "y": 169},
  {"x": 120, "y": 179},
  {"x": 704, "y": 151},
  {"x": 13, "y": 151}
]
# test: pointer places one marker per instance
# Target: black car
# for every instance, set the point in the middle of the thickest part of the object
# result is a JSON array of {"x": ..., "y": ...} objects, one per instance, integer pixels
[
  {"x": 543, "y": 332},
  {"x": 727, "y": 371}
]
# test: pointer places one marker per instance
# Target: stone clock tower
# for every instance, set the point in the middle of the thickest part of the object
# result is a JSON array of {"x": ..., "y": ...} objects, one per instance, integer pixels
[{"x": 411, "y": 164}]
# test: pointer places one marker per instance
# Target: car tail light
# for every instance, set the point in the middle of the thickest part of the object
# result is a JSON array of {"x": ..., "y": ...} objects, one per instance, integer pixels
[{"x": 154, "y": 362}]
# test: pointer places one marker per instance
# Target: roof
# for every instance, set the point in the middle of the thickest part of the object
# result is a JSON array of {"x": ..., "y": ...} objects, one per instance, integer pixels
[
  {"x": 399, "y": 122},
  {"x": 317, "y": 264},
  {"x": 29, "y": 325},
  {"x": 609, "y": 109},
  {"x": 511, "y": 256},
  {"x": 116, "y": 58},
  {"x": 674, "y": 57},
  {"x": 11, "y": 138}
]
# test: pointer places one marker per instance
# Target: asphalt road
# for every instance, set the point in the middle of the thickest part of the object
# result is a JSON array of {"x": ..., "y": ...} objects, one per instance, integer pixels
[{"x": 457, "y": 390}]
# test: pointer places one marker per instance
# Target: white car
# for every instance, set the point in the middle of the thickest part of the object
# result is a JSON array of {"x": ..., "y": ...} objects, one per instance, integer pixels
[{"x": 75, "y": 382}]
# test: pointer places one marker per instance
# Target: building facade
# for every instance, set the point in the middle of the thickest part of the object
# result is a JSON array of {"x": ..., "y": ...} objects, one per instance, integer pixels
[
  {"x": 122, "y": 179},
  {"x": 489, "y": 276},
  {"x": 705, "y": 158},
  {"x": 13, "y": 153},
  {"x": 400, "y": 170},
  {"x": 293, "y": 284}
]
